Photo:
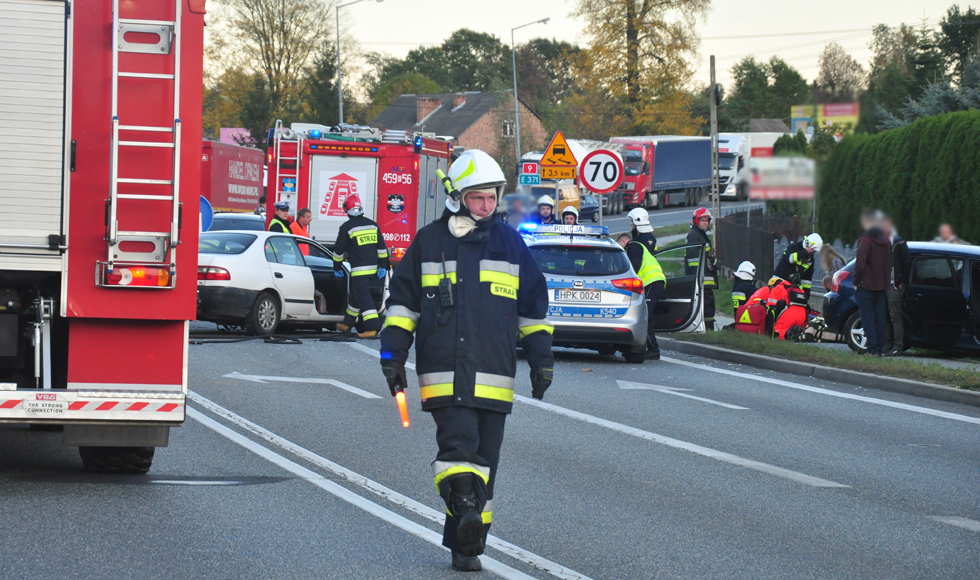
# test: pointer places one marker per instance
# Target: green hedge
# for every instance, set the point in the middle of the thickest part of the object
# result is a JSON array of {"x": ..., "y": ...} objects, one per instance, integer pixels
[{"x": 921, "y": 175}]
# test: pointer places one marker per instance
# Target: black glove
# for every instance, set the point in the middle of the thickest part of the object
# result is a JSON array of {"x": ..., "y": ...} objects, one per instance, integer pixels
[
  {"x": 540, "y": 381},
  {"x": 395, "y": 373}
]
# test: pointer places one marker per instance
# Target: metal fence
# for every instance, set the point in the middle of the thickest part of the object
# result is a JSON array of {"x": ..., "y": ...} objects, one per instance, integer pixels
[{"x": 756, "y": 237}]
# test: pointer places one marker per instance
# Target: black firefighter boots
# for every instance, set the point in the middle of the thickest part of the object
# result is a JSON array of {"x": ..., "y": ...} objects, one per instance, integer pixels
[
  {"x": 465, "y": 496},
  {"x": 466, "y": 563}
]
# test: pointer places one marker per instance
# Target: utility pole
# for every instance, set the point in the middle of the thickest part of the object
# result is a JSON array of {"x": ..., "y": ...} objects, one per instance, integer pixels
[
  {"x": 513, "y": 64},
  {"x": 715, "y": 198}
]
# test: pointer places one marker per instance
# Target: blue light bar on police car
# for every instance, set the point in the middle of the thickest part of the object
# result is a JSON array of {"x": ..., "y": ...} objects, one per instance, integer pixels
[{"x": 532, "y": 228}]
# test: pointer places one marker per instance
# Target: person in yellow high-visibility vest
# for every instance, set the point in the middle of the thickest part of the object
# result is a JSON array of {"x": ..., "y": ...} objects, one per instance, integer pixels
[{"x": 648, "y": 269}]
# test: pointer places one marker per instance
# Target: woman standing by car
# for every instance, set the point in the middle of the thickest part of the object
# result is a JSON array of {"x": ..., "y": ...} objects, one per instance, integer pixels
[{"x": 830, "y": 261}]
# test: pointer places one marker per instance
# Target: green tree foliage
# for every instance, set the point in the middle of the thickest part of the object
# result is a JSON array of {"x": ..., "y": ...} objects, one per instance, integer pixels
[
  {"x": 790, "y": 145},
  {"x": 765, "y": 90},
  {"x": 938, "y": 98},
  {"x": 320, "y": 88},
  {"x": 545, "y": 77},
  {"x": 403, "y": 84},
  {"x": 921, "y": 175},
  {"x": 960, "y": 38}
]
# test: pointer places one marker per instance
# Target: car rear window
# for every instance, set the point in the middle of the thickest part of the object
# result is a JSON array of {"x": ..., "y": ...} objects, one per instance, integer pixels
[
  {"x": 580, "y": 260},
  {"x": 251, "y": 224},
  {"x": 229, "y": 243}
]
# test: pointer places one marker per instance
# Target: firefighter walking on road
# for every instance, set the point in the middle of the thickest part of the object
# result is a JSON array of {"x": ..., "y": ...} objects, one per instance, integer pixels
[
  {"x": 360, "y": 242},
  {"x": 648, "y": 269},
  {"x": 470, "y": 289},
  {"x": 700, "y": 224}
]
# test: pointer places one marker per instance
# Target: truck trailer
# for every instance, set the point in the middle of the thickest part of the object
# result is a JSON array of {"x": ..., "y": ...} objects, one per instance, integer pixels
[
  {"x": 100, "y": 132},
  {"x": 393, "y": 172},
  {"x": 734, "y": 152},
  {"x": 231, "y": 176},
  {"x": 665, "y": 170}
]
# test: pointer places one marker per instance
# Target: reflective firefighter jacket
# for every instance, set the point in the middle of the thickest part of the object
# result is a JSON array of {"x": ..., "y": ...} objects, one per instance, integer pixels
[
  {"x": 796, "y": 260},
  {"x": 360, "y": 242},
  {"x": 644, "y": 264},
  {"x": 741, "y": 292},
  {"x": 696, "y": 236},
  {"x": 467, "y": 330},
  {"x": 647, "y": 239}
]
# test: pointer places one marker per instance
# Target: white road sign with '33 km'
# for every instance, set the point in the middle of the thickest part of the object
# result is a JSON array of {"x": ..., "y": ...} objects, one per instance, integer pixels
[{"x": 601, "y": 171}]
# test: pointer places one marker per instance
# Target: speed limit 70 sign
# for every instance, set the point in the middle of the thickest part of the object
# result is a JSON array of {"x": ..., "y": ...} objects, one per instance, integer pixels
[{"x": 601, "y": 171}]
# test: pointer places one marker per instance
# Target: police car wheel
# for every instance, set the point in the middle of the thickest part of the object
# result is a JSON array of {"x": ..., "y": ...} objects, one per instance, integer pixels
[{"x": 264, "y": 316}]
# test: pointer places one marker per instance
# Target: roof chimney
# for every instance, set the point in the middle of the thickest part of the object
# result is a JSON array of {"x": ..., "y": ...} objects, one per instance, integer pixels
[
  {"x": 424, "y": 106},
  {"x": 458, "y": 100}
]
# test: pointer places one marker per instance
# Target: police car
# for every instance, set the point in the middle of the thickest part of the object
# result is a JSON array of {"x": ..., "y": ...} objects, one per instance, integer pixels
[{"x": 596, "y": 299}]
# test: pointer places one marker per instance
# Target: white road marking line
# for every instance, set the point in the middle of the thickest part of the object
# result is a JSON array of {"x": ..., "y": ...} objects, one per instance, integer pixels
[
  {"x": 668, "y": 441},
  {"x": 626, "y": 385},
  {"x": 338, "y": 384},
  {"x": 882, "y": 402},
  {"x": 678, "y": 444},
  {"x": 350, "y": 497},
  {"x": 380, "y": 490},
  {"x": 375, "y": 353},
  {"x": 966, "y": 524}
]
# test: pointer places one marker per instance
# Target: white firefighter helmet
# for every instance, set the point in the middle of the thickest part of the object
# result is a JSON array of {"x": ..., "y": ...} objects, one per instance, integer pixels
[
  {"x": 546, "y": 200},
  {"x": 746, "y": 271},
  {"x": 474, "y": 169},
  {"x": 639, "y": 216},
  {"x": 813, "y": 241},
  {"x": 640, "y": 219}
]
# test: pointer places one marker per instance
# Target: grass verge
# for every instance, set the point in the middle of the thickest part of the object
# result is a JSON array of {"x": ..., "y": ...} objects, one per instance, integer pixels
[{"x": 808, "y": 353}]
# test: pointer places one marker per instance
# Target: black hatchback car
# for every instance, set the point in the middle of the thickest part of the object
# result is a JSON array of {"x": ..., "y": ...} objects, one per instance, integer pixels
[{"x": 941, "y": 307}]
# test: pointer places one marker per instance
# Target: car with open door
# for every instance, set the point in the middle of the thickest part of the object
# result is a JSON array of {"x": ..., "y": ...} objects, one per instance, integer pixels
[
  {"x": 940, "y": 308},
  {"x": 261, "y": 280},
  {"x": 596, "y": 299}
]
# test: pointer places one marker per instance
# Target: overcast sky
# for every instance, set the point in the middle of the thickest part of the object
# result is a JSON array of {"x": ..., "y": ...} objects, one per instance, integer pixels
[{"x": 806, "y": 26}]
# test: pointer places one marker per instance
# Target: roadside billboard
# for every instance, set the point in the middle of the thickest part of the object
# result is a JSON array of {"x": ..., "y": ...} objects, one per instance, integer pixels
[{"x": 776, "y": 178}]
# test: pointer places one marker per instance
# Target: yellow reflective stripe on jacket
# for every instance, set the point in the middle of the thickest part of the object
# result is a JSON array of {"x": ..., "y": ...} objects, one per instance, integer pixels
[
  {"x": 528, "y": 326},
  {"x": 432, "y": 272},
  {"x": 436, "y": 384},
  {"x": 496, "y": 387},
  {"x": 443, "y": 469},
  {"x": 363, "y": 270},
  {"x": 383, "y": 253},
  {"x": 805, "y": 284},
  {"x": 369, "y": 315},
  {"x": 500, "y": 272},
  {"x": 402, "y": 317},
  {"x": 338, "y": 258}
]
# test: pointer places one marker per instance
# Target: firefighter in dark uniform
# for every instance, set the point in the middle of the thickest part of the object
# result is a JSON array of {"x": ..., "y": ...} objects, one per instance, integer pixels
[
  {"x": 701, "y": 222},
  {"x": 470, "y": 289},
  {"x": 281, "y": 221},
  {"x": 743, "y": 286},
  {"x": 546, "y": 205},
  {"x": 796, "y": 264},
  {"x": 642, "y": 231},
  {"x": 648, "y": 269},
  {"x": 360, "y": 242}
]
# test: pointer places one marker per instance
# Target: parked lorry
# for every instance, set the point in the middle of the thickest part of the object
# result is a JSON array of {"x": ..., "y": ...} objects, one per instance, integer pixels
[
  {"x": 393, "y": 172},
  {"x": 100, "y": 132},
  {"x": 734, "y": 152},
  {"x": 231, "y": 176},
  {"x": 665, "y": 170}
]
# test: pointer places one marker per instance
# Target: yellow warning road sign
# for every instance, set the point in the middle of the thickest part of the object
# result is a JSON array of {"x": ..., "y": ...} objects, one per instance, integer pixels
[{"x": 558, "y": 154}]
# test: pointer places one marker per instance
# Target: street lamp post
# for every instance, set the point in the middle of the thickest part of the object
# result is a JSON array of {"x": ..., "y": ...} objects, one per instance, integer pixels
[
  {"x": 340, "y": 77},
  {"x": 513, "y": 63}
]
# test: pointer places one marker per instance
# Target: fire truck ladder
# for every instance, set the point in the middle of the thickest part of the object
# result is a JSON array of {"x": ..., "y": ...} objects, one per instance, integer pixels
[
  {"x": 287, "y": 134},
  {"x": 168, "y": 46}
]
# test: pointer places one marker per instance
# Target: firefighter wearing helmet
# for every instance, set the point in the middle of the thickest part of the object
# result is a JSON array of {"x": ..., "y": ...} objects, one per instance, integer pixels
[
  {"x": 360, "y": 242},
  {"x": 569, "y": 216},
  {"x": 744, "y": 285},
  {"x": 546, "y": 211},
  {"x": 471, "y": 289},
  {"x": 796, "y": 263},
  {"x": 642, "y": 231},
  {"x": 700, "y": 224}
]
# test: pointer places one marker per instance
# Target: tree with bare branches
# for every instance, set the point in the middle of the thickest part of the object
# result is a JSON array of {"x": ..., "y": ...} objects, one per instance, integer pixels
[{"x": 841, "y": 77}]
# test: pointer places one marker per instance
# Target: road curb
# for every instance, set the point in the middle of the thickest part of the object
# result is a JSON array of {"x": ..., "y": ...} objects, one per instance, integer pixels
[{"x": 867, "y": 380}]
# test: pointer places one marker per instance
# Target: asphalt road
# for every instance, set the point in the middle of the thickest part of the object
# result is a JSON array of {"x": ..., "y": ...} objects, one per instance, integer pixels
[
  {"x": 671, "y": 215},
  {"x": 735, "y": 473}
]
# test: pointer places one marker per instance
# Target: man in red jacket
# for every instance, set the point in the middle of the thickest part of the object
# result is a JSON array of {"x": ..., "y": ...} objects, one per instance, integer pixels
[{"x": 872, "y": 279}]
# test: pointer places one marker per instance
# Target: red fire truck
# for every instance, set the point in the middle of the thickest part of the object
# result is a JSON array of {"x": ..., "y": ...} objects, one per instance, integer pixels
[
  {"x": 393, "y": 172},
  {"x": 100, "y": 133},
  {"x": 231, "y": 176}
]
